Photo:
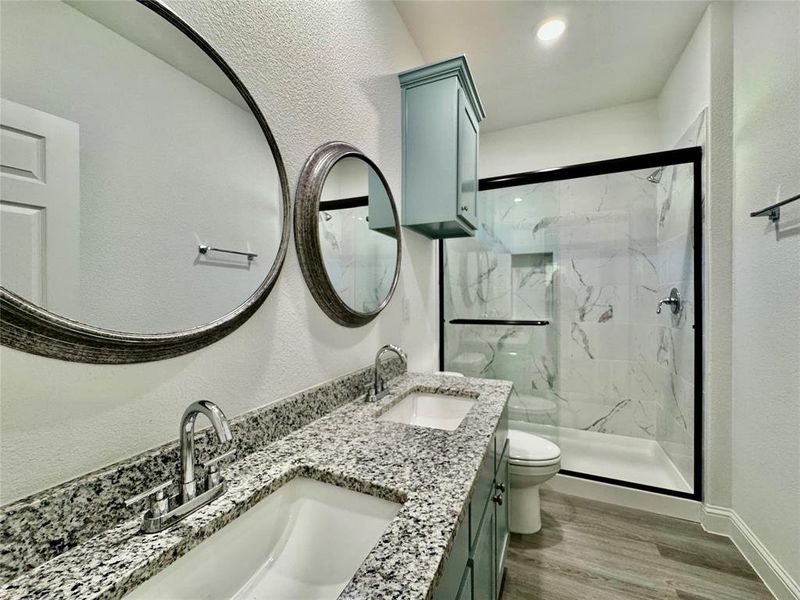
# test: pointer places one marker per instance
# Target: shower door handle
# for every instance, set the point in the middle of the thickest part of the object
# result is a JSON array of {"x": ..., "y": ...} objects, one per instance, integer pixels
[{"x": 674, "y": 301}]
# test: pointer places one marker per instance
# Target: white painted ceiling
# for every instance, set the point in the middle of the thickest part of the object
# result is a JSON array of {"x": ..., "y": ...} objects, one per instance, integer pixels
[{"x": 613, "y": 52}]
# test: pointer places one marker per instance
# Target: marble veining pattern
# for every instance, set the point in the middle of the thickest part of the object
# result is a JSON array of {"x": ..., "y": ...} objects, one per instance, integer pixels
[
  {"x": 676, "y": 337},
  {"x": 42, "y": 526},
  {"x": 431, "y": 471},
  {"x": 593, "y": 256},
  {"x": 577, "y": 253},
  {"x": 359, "y": 263}
]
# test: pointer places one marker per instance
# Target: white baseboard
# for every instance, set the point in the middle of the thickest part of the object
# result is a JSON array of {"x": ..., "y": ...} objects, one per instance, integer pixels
[
  {"x": 725, "y": 521},
  {"x": 680, "y": 508}
]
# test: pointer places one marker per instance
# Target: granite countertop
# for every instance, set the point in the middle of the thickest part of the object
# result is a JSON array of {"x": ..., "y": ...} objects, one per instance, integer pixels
[{"x": 430, "y": 471}]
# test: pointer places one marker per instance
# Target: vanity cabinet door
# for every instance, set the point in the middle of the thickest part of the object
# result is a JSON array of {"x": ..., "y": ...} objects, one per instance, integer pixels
[
  {"x": 467, "y": 163},
  {"x": 501, "y": 514},
  {"x": 475, "y": 565},
  {"x": 453, "y": 574},
  {"x": 483, "y": 565},
  {"x": 500, "y": 437},
  {"x": 481, "y": 494},
  {"x": 465, "y": 593}
]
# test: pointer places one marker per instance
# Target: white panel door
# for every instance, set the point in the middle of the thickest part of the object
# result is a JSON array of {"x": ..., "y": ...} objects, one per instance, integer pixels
[{"x": 40, "y": 207}]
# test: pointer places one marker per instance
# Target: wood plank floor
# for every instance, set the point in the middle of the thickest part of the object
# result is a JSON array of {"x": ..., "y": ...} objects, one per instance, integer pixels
[{"x": 595, "y": 551}]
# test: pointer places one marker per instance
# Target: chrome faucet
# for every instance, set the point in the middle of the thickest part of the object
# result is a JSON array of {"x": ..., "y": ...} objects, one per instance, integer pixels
[
  {"x": 378, "y": 391},
  {"x": 165, "y": 511},
  {"x": 221, "y": 427}
]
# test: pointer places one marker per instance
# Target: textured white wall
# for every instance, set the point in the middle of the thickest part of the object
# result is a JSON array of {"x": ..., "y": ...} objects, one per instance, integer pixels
[
  {"x": 686, "y": 92},
  {"x": 717, "y": 260},
  {"x": 766, "y": 277},
  {"x": 319, "y": 71},
  {"x": 585, "y": 137}
]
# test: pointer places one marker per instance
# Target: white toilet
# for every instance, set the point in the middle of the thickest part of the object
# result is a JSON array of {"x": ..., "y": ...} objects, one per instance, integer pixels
[{"x": 532, "y": 460}]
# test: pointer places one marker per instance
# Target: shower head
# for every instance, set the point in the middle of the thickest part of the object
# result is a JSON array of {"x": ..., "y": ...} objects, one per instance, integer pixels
[{"x": 655, "y": 176}]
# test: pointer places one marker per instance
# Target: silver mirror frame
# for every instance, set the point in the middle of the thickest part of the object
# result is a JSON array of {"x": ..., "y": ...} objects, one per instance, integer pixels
[
  {"x": 29, "y": 328},
  {"x": 306, "y": 233}
]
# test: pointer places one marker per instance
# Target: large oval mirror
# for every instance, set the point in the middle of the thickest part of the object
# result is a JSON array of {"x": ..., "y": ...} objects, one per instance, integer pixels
[
  {"x": 347, "y": 234},
  {"x": 144, "y": 204}
]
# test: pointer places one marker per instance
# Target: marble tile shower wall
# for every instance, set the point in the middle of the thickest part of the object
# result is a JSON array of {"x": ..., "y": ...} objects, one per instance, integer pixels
[
  {"x": 675, "y": 420},
  {"x": 359, "y": 263},
  {"x": 336, "y": 239},
  {"x": 585, "y": 255},
  {"x": 607, "y": 281},
  {"x": 489, "y": 277}
]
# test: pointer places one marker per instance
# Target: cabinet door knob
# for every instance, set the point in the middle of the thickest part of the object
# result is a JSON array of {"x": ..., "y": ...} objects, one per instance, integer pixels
[
  {"x": 465, "y": 209},
  {"x": 500, "y": 487},
  {"x": 498, "y": 499}
]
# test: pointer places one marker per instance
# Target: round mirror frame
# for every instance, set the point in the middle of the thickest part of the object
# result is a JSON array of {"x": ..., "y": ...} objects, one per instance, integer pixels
[
  {"x": 27, "y": 327},
  {"x": 306, "y": 233}
]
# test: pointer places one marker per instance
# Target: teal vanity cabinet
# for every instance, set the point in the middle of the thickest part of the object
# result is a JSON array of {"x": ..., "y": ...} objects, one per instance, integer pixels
[
  {"x": 441, "y": 117},
  {"x": 474, "y": 568}
]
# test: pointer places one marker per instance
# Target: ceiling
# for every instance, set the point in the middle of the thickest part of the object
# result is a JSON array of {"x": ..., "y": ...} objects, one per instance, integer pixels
[{"x": 613, "y": 52}]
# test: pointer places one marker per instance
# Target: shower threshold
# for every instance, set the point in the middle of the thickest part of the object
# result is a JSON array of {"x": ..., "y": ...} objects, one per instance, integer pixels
[{"x": 609, "y": 456}]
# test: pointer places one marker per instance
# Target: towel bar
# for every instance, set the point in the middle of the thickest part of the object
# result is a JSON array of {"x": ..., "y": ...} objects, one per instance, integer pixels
[{"x": 774, "y": 211}]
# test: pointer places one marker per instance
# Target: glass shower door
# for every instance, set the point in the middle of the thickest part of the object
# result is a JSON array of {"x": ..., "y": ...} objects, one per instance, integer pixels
[
  {"x": 559, "y": 293},
  {"x": 500, "y": 302}
]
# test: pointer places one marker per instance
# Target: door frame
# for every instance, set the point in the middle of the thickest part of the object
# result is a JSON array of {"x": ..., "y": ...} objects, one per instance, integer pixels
[
  {"x": 55, "y": 193},
  {"x": 691, "y": 155}
]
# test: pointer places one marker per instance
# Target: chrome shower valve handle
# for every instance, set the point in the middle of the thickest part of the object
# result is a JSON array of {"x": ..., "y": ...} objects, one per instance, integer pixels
[{"x": 673, "y": 301}]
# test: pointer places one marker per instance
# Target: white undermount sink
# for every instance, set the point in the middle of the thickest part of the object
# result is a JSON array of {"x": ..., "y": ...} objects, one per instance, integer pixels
[
  {"x": 304, "y": 541},
  {"x": 438, "y": 411}
]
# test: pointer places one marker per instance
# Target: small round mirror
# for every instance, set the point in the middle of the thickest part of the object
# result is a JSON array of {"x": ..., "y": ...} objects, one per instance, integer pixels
[{"x": 347, "y": 234}]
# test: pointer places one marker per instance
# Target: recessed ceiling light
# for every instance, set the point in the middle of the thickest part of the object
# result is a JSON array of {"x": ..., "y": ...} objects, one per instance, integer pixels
[
  {"x": 517, "y": 199},
  {"x": 551, "y": 30}
]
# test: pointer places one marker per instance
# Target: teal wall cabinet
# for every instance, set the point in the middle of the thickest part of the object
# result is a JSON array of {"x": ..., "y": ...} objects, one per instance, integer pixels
[
  {"x": 475, "y": 565},
  {"x": 380, "y": 213},
  {"x": 441, "y": 127}
]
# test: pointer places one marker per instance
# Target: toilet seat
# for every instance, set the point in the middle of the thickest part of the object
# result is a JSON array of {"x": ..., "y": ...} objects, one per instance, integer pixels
[
  {"x": 533, "y": 465},
  {"x": 528, "y": 450}
]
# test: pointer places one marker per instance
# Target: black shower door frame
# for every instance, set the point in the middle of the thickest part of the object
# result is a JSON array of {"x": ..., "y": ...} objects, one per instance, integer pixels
[{"x": 692, "y": 155}]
